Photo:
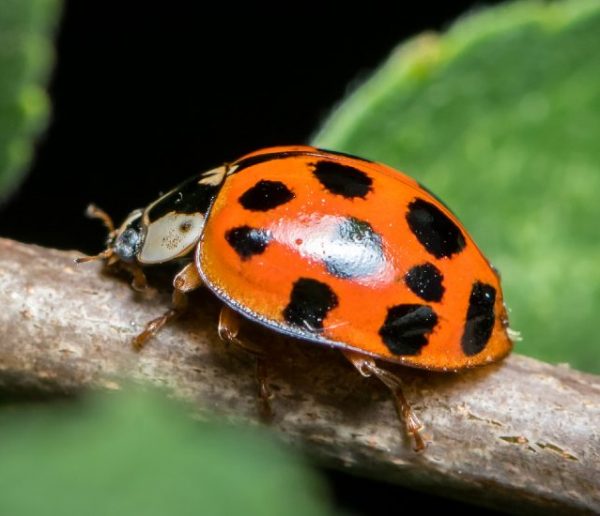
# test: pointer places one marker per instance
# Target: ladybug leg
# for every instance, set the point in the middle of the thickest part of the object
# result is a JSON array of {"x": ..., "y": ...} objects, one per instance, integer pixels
[
  {"x": 139, "y": 283},
  {"x": 229, "y": 329},
  {"x": 186, "y": 280},
  {"x": 93, "y": 212},
  {"x": 366, "y": 366}
]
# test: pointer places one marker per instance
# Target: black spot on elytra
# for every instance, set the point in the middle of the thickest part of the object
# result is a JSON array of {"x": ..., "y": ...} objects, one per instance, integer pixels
[
  {"x": 266, "y": 195},
  {"x": 407, "y": 327},
  {"x": 480, "y": 318},
  {"x": 426, "y": 282},
  {"x": 310, "y": 301},
  {"x": 436, "y": 197},
  {"x": 437, "y": 233},
  {"x": 342, "y": 180},
  {"x": 247, "y": 241},
  {"x": 355, "y": 250}
]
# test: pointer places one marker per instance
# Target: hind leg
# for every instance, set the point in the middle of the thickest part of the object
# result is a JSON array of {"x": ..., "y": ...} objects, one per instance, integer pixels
[
  {"x": 367, "y": 367},
  {"x": 229, "y": 329}
]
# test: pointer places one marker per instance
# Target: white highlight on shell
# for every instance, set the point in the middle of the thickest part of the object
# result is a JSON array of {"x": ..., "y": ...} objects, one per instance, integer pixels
[
  {"x": 171, "y": 236},
  {"x": 316, "y": 237}
]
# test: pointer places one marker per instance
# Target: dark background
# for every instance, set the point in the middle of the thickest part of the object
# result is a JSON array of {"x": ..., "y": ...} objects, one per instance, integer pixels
[{"x": 145, "y": 95}]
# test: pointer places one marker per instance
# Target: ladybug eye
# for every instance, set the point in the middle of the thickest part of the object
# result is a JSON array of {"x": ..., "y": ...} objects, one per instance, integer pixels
[
  {"x": 127, "y": 244},
  {"x": 129, "y": 238},
  {"x": 185, "y": 226}
]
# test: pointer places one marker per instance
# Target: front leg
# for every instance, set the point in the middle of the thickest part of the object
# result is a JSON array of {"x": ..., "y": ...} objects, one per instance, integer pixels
[{"x": 186, "y": 280}]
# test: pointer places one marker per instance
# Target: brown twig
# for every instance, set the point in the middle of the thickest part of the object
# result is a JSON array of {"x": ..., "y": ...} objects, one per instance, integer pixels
[{"x": 523, "y": 435}]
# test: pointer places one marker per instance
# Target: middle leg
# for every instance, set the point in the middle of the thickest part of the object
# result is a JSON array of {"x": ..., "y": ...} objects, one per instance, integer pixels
[{"x": 229, "y": 329}]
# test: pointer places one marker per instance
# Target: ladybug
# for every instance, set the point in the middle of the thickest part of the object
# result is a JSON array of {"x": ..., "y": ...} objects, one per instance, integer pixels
[{"x": 328, "y": 248}]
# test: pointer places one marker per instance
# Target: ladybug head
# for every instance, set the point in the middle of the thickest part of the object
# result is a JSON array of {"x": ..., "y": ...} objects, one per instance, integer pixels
[
  {"x": 127, "y": 240},
  {"x": 122, "y": 243}
]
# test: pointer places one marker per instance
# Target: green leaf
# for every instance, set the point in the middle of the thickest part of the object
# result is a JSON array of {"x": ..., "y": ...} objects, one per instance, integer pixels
[
  {"x": 26, "y": 53},
  {"x": 137, "y": 454},
  {"x": 500, "y": 117}
]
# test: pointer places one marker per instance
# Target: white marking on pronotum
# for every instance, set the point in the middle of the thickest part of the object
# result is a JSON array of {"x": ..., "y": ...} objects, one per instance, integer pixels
[
  {"x": 135, "y": 214},
  {"x": 213, "y": 177},
  {"x": 171, "y": 236}
]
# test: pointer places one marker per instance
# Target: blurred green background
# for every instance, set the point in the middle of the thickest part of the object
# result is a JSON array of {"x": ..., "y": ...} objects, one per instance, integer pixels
[
  {"x": 500, "y": 117},
  {"x": 26, "y": 28},
  {"x": 137, "y": 453}
]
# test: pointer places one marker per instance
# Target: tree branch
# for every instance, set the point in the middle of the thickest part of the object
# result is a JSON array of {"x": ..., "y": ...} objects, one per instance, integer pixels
[{"x": 521, "y": 435}]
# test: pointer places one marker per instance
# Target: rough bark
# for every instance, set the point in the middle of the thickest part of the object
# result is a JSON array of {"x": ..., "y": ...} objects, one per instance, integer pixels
[{"x": 522, "y": 435}]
